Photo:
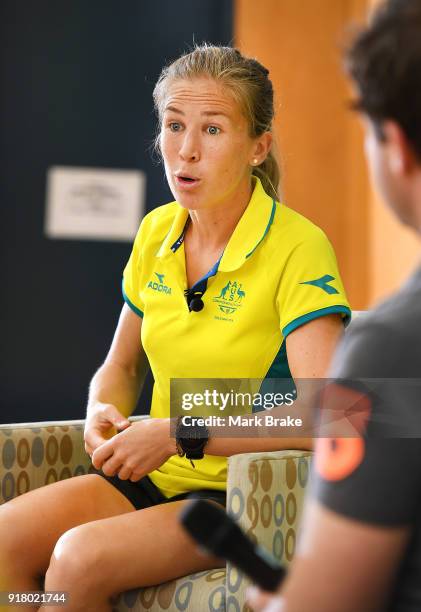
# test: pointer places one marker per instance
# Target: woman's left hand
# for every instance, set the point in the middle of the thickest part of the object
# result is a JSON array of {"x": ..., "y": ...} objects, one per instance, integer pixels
[{"x": 136, "y": 451}]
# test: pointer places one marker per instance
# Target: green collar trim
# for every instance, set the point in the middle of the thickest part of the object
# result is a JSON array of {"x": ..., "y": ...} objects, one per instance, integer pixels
[
  {"x": 272, "y": 215},
  {"x": 250, "y": 231}
]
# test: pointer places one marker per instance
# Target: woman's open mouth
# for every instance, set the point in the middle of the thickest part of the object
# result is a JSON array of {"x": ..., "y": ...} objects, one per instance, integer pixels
[{"x": 186, "y": 182}]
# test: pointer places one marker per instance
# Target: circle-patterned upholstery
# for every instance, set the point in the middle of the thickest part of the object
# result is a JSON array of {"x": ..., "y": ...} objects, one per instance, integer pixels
[
  {"x": 36, "y": 455},
  {"x": 265, "y": 495},
  {"x": 201, "y": 591}
]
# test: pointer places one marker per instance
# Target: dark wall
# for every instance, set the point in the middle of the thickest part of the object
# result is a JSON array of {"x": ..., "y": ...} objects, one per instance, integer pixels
[{"x": 76, "y": 82}]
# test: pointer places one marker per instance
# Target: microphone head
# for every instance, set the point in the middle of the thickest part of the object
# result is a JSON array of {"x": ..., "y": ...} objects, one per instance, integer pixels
[
  {"x": 217, "y": 533},
  {"x": 206, "y": 523},
  {"x": 196, "y": 304}
]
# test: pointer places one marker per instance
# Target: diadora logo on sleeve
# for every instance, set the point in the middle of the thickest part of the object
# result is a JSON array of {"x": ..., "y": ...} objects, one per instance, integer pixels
[
  {"x": 230, "y": 297},
  {"x": 323, "y": 283},
  {"x": 160, "y": 285}
]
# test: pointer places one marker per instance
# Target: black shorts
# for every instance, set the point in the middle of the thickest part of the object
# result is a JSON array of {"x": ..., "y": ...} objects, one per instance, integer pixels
[{"x": 144, "y": 494}]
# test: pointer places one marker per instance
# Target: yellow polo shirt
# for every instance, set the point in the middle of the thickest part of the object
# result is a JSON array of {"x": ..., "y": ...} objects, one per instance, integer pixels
[{"x": 278, "y": 271}]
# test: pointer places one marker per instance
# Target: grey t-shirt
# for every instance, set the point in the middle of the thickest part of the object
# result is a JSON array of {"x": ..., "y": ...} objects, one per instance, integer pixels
[{"x": 382, "y": 353}]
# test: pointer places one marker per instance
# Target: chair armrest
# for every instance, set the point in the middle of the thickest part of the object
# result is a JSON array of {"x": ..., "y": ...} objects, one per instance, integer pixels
[
  {"x": 36, "y": 454},
  {"x": 265, "y": 493}
]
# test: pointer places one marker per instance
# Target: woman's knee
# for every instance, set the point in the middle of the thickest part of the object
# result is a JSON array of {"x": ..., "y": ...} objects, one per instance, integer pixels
[{"x": 77, "y": 561}]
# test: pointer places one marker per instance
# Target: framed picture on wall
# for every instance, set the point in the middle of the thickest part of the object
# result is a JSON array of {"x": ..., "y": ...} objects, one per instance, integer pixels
[{"x": 94, "y": 203}]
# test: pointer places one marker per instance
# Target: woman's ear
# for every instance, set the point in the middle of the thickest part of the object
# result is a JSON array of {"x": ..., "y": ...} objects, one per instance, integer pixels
[
  {"x": 261, "y": 148},
  {"x": 399, "y": 151}
]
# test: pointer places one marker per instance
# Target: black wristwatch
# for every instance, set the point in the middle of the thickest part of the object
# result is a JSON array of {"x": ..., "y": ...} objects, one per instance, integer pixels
[{"x": 191, "y": 439}]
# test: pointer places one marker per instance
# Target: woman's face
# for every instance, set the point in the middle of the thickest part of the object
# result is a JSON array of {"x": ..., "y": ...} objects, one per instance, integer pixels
[{"x": 205, "y": 144}]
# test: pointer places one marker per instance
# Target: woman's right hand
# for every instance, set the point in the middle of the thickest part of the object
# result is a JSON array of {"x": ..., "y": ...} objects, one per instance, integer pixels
[{"x": 103, "y": 422}]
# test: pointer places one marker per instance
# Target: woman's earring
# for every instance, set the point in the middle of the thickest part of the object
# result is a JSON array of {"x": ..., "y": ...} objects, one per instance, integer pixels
[{"x": 255, "y": 160}]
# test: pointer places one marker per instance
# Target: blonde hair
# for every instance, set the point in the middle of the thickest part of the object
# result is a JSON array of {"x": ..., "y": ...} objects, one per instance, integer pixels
[{"x": 250, "y": 85}]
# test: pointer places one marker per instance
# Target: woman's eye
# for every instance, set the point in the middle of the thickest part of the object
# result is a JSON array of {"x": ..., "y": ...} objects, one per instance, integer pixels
[
  {"x": 174, "y": 126},
  {"x": 213, "y": 130}
]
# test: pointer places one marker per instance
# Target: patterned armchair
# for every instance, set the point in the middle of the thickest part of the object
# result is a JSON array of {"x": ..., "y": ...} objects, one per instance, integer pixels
[{"x": 265, "y": 494}]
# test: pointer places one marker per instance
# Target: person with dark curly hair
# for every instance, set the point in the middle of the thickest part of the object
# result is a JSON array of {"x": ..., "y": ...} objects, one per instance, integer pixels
[{"x": 360, "y": 546}]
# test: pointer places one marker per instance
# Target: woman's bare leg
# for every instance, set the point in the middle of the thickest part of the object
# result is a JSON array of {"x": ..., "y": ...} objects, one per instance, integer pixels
[
  {"x": 31, "y": 524},
  {"x": 96, "y": 561}
]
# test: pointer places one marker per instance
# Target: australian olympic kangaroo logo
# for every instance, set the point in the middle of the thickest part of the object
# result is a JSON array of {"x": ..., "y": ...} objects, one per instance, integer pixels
[{"x": 230, "y": 298}]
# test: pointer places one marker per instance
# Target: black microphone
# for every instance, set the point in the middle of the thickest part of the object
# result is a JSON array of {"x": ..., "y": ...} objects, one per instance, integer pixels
[
  {"x": 194, "y": 301},
  {"x": 218, "y": 534}
]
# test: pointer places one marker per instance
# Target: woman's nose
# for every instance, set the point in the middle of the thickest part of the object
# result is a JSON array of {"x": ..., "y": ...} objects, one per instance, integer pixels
[{"x": 190, "y": 149}]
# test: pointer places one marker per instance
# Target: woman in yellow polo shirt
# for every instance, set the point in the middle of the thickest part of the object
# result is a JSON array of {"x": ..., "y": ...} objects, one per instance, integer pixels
[{"x": 224, "y": 282}]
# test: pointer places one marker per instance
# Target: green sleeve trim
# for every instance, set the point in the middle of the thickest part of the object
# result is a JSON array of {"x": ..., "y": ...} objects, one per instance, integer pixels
[
  {"x": 129, "y": 303},
  {"x": 315, "y": 315}
]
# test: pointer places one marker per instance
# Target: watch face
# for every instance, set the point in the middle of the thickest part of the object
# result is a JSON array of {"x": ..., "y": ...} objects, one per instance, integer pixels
[
  {"x": 192, "y": 432},
  {"x": 192, "y": 439},
  {"x": 192, "y": 443}
]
